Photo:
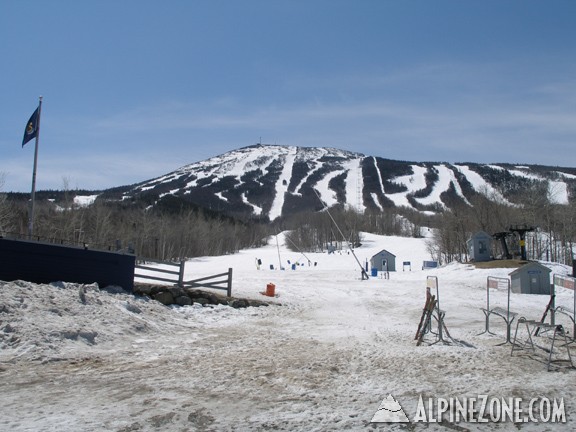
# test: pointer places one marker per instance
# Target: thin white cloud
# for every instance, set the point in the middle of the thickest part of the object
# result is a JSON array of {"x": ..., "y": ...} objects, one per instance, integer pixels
[{"x": 452, "y": 112}]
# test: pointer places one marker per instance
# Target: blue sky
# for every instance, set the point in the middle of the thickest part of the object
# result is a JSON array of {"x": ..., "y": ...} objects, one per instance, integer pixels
[{"x": 134, "y": 89}]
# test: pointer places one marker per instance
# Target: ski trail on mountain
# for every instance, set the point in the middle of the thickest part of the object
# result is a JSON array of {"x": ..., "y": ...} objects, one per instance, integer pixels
[
  {"x": 381, "y": 192},
  {"x": 446, "y": 177},
  {"x": 282, "y": 184},
  {"x": 255, "y": 179},
  {"x": 354, "y": 184}
]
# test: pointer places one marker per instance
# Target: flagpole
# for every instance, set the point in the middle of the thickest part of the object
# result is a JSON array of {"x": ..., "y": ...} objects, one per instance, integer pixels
[{"x": 32, "y": 198}]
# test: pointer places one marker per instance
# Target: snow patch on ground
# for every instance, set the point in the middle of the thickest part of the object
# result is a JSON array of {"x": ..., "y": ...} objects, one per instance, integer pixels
[{"x": 84, "y": 200}]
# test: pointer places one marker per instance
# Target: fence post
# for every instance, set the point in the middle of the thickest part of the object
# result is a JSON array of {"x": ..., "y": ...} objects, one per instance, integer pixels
[
  {"x": 181, "y": 274},
  {"x": 229, "y": 291}
]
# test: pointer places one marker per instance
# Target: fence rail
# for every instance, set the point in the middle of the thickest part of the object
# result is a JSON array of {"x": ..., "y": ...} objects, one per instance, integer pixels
[
  {"x": 153, "y": 272},
  {"x": 210, "y": 282},
  {"x": 221, "y": 281}
]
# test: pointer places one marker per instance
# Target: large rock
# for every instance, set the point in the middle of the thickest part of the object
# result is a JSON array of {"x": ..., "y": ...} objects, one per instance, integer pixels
[
  {"x": 183, "y": 300},
  {"x": 169, "y": 295},
  {"x": 164, "y": 297}
]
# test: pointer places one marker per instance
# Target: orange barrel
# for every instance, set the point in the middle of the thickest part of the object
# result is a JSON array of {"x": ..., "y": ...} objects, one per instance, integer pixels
[{"x": 270, "y": 288}]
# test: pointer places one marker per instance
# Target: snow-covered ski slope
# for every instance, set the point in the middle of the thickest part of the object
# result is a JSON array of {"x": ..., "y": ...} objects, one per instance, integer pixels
[{"x": 271, "y": 181}]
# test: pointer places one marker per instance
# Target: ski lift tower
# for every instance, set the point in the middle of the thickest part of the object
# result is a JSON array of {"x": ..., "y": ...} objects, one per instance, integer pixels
[
  {"x": 501, "y": 236},
  {"x": 521, "y": 230}
]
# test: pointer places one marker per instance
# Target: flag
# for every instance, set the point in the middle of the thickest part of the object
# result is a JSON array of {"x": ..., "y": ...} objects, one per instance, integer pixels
[{"x": 31, "y": 130}]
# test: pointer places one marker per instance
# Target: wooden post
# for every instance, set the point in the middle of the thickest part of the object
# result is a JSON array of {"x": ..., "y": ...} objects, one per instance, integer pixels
[
  {"x": 229, "y": 290},
  {"x": 181, "y": 274}
]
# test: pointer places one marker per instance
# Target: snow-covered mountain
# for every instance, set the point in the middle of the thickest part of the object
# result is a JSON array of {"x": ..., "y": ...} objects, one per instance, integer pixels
[{"x": 270, "y": 181}]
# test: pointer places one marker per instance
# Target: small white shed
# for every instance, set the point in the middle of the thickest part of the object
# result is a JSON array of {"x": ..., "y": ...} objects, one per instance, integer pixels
[{"x": 480, "y": 247}]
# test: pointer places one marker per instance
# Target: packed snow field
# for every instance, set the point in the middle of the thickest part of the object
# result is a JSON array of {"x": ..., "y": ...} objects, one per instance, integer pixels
[{"x": 322, "y": 357}]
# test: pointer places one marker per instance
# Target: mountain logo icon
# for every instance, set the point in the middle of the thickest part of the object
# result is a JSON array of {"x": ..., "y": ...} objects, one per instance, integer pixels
[{"x": 390, "y": 411}]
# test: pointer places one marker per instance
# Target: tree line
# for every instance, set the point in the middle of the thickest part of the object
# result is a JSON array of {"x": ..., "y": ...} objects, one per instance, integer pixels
[
  {"x": 173, "y": 229},
  {"x": 552, "y": 238},
  {"x": 448, "y": 231},
  {"x": 160, "y": 233}
]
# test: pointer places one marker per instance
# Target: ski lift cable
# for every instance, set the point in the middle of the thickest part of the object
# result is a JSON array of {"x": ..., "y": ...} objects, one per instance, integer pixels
[
  {"x": 293, "y": 244},
  {"x": 364, "y": 274}
]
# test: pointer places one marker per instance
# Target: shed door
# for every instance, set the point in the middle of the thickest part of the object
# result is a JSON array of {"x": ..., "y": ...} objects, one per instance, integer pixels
[{"x": 535, "y": 284}]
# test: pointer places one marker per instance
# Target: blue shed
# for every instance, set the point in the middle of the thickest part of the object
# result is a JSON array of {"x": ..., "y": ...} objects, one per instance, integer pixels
[{"x": 383, "y": 261}]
